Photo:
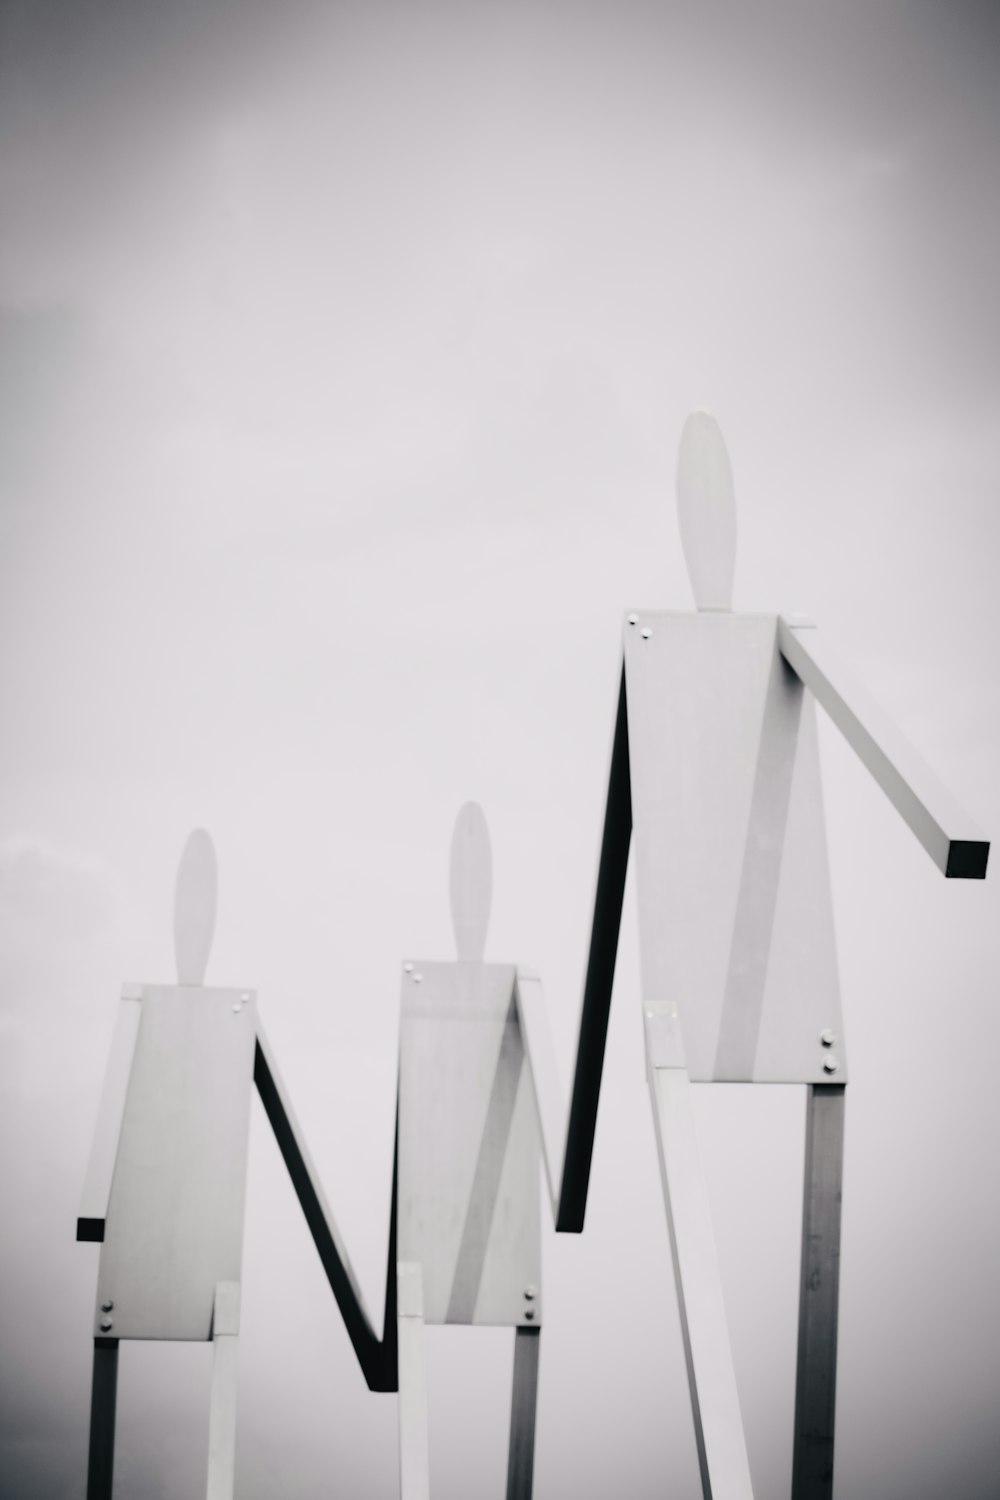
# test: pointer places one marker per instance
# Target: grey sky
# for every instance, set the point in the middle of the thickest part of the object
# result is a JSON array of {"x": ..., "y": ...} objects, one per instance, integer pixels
[{"x": 343, "y": 356}]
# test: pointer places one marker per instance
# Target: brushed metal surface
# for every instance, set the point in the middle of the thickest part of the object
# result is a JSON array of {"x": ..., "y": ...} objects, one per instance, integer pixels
[
  {"x": 735, "y": 916},
  {"x": 945, "y": 829},
  {"x": 715, "y": 1407},
  {"x": 174, "y": 1226},
  {"x": 468, "y": 1192},
  {"x": 107, "y": 1131}
]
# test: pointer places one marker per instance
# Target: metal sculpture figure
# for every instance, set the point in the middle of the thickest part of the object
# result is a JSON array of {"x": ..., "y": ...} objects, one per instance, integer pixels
[
  {"x": 714, "y": 766},
  {"x": 469, "y": 1247},
  {"x": 165, "y": 1184}
]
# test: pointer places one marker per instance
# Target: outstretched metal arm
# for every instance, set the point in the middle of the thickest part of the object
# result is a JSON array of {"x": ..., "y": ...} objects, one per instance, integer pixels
[
  {"x": 600, "y": 977},
  {"x": 943, "y": 827},
  {"x": 104, "y": 1150},
  {"x": 377, "y": 1358}
]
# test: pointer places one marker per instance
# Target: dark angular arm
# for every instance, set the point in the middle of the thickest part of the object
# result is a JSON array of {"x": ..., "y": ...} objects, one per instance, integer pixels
[
  {"x": 600, "y": 978},
  {"x": 377, "y": 1357}
]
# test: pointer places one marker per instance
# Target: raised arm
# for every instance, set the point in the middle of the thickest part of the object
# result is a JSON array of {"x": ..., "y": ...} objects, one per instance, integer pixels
[
  {"x": 377, "y": 1357},
  {"x": 946, "y": 831},
  {"x": 600, "y": 977}
]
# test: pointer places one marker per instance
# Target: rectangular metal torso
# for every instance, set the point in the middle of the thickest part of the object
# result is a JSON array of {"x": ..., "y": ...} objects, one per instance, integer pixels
[
  {"x": 469, "y": 1183},
  {"x": 175, "y": 1218},
  {"x": 735, "y": 916}
]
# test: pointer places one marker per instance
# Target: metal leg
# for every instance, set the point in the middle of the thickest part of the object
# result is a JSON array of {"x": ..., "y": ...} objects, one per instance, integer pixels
[
  {"x": 816, "y": 1374},
  {"x": 104, "y": 1390},
  {"x": 521, "y": 1457},
  {"x": 414, "y": 1469},
  {"x": 718, "y": 1426},
  {"x": 222, "y": 1411}
]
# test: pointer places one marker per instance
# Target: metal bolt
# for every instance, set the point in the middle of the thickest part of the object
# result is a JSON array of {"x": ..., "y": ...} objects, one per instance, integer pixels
[
  {"x": 407, "y": 968},
  {"x": 237, "y": 1007},
  {"x": 828, "y": 1036},
  {"x": 633, "y": 619},
  {"x": 107, "y": 1306},
  {"x": 645, "y": 632},
  {"x": 530, "y": 1293},
  {"x": 245, "y": 996},
  {"x": 529, "y": 1314},
  {"x": 418, "y": 979},
  {"x": 106, "y": 1325},
  {"x": 830, "y": 1063}
]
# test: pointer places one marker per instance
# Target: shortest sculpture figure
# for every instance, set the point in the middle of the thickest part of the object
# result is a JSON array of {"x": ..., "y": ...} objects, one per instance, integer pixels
[
  {"x": 469, "y": 1238},
  {"x": 166, "y": 1182}
]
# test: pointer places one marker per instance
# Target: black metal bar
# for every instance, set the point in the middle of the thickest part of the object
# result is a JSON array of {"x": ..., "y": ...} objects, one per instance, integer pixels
[
  {"x": 376, "y": 1358},
  {"x": 103, "y": 1396},
  {"x": 816, "y": 1372},
  {"x": 600, "y": 978}
]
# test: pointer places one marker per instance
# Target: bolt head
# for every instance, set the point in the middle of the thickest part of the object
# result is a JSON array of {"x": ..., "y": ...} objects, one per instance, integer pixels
[
  {"x": 830, "y": 1063},
  {"x": 633, "y": 619},
  {"x": 107, "y": 1306},
  {"x": 407, "y": 968},
  {"x": 529, "y": 1314},
  {"x": 530, "y": 1293},
  {"x": 237, "y": 1008},
  {"x": 645, "y": 632},
  {"x": 418, "y": 979},
  {"x": 106, "y": 1325},
  {"x": 828, "y": 1036}
]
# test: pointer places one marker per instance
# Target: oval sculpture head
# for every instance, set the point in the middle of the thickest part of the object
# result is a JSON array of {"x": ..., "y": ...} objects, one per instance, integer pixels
[
  {"x": 706, "y": 510},
  {"x": 194, "y": 907},
  {"x": 471, "y": 881}
]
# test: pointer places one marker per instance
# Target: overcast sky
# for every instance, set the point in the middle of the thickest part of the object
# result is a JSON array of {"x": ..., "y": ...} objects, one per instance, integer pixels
[{"x": 344, "y": 352}]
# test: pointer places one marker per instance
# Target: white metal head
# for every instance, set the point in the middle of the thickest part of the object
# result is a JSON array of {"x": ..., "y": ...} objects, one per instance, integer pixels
[
  {"x": 194, "y": 907},
  {"x": 471, "y": 881},
  {"x": 706, "y": 510}
]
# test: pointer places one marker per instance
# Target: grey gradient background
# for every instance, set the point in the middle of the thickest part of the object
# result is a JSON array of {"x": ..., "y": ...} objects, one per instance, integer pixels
[{"x": 343, "y": 358}]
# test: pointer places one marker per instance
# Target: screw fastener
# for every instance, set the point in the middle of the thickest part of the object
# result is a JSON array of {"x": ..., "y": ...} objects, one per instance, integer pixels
[
  {"x": 529, "y": 1314},
  {"x": 830, "y": 1063},
  {"x": 530, "y": 1293},
  {"x": 107, "y": 1306},
  {"x": 106, "y": 1325},
  {"x": 633, "y": 619},
  {"x": 645, "y": 632},
  {"x": 828, "y": 1036}
]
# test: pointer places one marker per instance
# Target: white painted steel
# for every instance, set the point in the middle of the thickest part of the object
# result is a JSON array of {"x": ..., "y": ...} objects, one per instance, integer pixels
[
  {"x": 107, "y": 1131},
  {"x": 722, "y": 1456},
  {"x": 468, "y": 1201},
  {"x": 222, "y": 1409},
  {"x": 414, "y": 1466},
  {"x": 174, "y": 1226},
  {"x": 929, "y": 809},
  {"x": 195, "y": 901},
  {"x": 552, "y": 1116},
  {"x": 732, "y": 881},
  {"x": 471, "y": 881},
  {"x": 706, "y": 511}
]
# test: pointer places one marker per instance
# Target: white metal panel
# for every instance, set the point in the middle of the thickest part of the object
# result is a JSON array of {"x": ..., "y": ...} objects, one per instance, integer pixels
[
  {"x": 468, "y": 1194},
  {"x": 107, "y": 1131},
  {"x": 735, "y": 917},
  {"x": 175, "y": 1219}
]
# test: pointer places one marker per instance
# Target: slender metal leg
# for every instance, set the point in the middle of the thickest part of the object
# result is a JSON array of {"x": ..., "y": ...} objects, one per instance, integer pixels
[
  {"x": 722, "y": 1455},
  {"x": 222, "y": 1411},
  {"x": 414, "y": 1468},
  {"x": 524, "y": 1399},
  {"x": 816, "y": 1373},
  {"x": 104, "y": 1391}
]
